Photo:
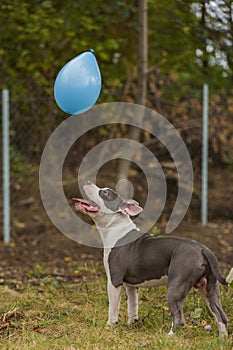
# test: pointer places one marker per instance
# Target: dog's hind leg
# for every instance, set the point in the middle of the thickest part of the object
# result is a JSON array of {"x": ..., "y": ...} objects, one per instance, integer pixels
[
  {"x": 132, "y": 300},
  {"x": 211, "y": 296},
  {"x": 114, "y": 297},
  {"x": 175, "y": 304}
]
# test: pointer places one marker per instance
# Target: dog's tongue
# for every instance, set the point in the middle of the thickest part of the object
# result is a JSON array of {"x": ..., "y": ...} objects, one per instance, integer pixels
[
  {"x": 89, "y": 206},
  {"x": 80, "y": 200}
]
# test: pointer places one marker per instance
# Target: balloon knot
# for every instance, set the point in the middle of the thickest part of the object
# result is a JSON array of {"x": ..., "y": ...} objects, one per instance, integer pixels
[{"x": 92, "y": 50}]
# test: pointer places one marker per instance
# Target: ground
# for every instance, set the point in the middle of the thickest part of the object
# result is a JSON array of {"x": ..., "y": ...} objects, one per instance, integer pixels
[{"x": 53, "y": 290}]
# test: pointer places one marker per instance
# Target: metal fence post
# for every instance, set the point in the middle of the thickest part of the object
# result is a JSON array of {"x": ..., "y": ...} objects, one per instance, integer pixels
[
  {"x": 6, "y": 166},
  {"x": 204, "y": 199}
]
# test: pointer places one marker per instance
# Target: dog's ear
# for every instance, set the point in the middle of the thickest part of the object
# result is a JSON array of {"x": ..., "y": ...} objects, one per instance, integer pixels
[{"x": 130, "y": 207}]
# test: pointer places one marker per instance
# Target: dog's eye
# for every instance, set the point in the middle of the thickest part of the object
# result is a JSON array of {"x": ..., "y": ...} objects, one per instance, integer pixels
[
  {"x": 104, "y": 193},
  {"x": 108, "y": 194}
]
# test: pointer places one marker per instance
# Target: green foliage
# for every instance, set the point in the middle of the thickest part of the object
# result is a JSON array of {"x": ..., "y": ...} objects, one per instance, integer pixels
[
  {"x": 153, "y": 230},
  {"x": 19, "y": 165},
  {"x": 189, "y": 44},
  {"x": 39, "y": 37}
]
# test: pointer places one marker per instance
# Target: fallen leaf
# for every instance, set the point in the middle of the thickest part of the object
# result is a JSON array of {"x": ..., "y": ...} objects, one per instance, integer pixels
[
  {"x": 9, "y": 314},
  {"x": 19, "y": 224},
  {"x": 40, "y": 330},
  {"x": 196, "y": 313},
  {"x": 224, "y": 243},
  {"x": 26, "y": 202},
  {"x": 67, "y": 259},
  {"x": 144, "y": 343},
  {"x": 4, "y": 325},
  {"x": 87, "y": 256},
  {"x": 40, "y": 290}
]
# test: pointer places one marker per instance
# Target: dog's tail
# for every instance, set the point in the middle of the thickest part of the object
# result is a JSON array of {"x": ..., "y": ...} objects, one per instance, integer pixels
[
  {"x": 213, "y": 263},
  {"x": 229, "y": 278}
]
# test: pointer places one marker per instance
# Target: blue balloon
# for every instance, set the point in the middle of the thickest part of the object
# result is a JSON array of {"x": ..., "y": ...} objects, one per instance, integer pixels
[{"x": 78, "y": 84}]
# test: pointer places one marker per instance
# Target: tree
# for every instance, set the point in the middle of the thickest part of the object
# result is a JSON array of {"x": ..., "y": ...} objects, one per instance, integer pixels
[
  {"x": 134, "y": 133},
  {"x": 39, "y": 37}
]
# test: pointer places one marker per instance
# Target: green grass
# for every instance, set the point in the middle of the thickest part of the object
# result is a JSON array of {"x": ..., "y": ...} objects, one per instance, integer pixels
[{"x": 50, "y": 314}]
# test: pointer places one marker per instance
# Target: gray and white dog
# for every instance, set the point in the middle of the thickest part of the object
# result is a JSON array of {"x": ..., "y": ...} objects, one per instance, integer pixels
[{"x": 133, "y": 259}]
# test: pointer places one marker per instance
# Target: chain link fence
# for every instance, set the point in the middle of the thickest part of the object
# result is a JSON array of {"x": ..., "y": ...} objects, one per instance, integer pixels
[
  {"x": 32, "y": 120},
  {"x": 28, "y": 132}
]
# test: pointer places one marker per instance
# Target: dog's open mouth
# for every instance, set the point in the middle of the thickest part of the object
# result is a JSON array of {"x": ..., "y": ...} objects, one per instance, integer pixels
[{"x": 85, "y": 205}]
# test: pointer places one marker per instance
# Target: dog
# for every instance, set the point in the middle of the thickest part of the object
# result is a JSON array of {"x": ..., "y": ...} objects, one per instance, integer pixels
[{"x": 134, "y": 259}]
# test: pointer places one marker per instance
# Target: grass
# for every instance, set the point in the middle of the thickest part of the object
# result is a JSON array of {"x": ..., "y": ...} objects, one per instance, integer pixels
[{"x": 46, "y": 313}]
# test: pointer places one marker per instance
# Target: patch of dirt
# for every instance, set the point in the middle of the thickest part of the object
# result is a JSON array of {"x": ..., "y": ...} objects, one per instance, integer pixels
[{"x": 49, "y": 250}]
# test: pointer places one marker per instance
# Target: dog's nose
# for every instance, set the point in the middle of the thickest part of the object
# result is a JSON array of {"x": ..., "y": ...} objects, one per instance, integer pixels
[{"x": 88, "y": 183}]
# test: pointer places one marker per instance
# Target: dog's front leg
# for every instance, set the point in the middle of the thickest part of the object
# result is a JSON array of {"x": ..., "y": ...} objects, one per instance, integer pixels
[
  {"x": 132, "y": 295},
  {"x": 114, "y": 297}
]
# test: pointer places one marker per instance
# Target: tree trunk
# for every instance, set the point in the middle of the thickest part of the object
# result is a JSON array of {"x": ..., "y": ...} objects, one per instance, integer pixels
[
  {"x": 204, "y": 36},
  {"x": 134, "y": 133}
]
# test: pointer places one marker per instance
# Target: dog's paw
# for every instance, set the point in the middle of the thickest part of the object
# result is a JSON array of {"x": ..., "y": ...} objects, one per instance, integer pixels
[
  {"x": 222, "y": 328},
  {"x": 110, "y": 326},
  {"x": 223, "y": 334},
  {"x": 171, "y": 333},
  {"x": 132, "y": 321}
]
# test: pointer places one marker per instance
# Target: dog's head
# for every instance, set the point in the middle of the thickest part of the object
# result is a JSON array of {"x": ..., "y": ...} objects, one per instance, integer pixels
[{"x": 105, "y": 201}]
